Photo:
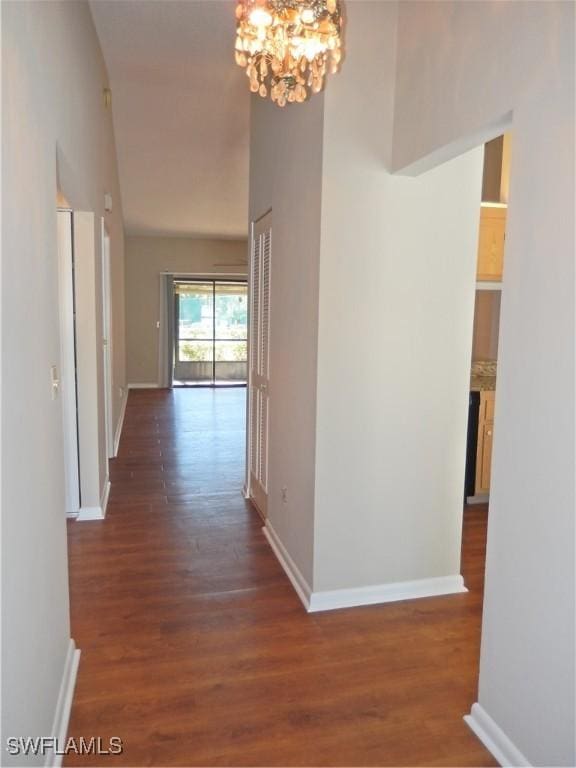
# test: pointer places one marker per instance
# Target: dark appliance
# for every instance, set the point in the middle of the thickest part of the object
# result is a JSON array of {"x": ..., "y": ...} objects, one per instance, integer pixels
[{"x": 471, "y": 445}]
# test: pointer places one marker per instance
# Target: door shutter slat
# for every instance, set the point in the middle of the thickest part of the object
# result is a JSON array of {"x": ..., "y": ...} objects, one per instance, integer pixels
[
  {"x": 265, "y": 308},
  {"x": 255, "y": 304},
  {"x": 260, "y": 274}
]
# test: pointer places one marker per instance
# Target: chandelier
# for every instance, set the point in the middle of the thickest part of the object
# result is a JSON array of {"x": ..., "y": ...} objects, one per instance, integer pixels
[{"x": 288, "y": 46}]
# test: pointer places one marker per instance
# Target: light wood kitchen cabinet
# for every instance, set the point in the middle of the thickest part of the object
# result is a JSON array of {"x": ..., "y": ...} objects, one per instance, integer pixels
[
  {"x": 485, "y": 437},
  {"x": 491, "y": 243}
]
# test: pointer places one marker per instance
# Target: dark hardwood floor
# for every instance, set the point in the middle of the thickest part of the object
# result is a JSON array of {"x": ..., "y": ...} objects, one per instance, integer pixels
[{"x": 196, "y": 650}]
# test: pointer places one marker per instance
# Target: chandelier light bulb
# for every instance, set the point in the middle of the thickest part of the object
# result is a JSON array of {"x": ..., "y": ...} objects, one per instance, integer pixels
[
  {"x": 259, "y": 17},
  {"x": 288, "y": 46}
]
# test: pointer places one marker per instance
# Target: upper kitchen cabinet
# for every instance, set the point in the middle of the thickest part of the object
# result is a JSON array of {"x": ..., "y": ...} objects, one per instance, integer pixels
[
  {"x": 495, "y": 184},
  {"x": 491, "y": 243}
]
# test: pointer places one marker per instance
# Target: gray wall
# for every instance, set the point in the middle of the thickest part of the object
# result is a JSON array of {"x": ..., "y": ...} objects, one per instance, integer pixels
[
  {"x": 55, "y": 129},
  {"x": 464, "y": 68},
  {"x": 285, "y": 175},
  {"x": 146, "y": 258}
]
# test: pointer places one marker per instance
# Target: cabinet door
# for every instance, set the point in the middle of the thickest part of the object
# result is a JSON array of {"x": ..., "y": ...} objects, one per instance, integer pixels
[
  {"x": 491, "y": 243},
  {"x": 487, "y": 454},
  {"x": 484, "y": 457}
]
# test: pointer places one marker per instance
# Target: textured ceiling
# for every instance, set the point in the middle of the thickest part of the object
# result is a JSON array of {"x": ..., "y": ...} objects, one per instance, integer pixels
[{"x": 181, "y": 115}]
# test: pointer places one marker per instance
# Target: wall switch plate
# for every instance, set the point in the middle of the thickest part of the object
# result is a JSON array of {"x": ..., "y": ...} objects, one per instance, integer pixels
[{"x": 55, "y": 381}]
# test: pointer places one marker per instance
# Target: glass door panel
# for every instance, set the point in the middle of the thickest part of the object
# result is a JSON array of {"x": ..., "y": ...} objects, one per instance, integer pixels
[
  {"x": 230, "y": 332},
  {"x": 211, "y": 323}
]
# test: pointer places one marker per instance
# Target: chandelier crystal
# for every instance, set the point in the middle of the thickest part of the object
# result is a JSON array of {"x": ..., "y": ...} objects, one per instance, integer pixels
[{"x": 288, "y": 46}]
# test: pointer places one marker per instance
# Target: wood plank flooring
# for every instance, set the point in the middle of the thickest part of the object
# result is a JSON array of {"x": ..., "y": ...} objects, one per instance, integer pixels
[{"x": 196, "y": 650}]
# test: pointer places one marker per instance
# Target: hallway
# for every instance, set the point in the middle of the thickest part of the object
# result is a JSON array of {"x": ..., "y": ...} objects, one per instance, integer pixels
[{"x": 195, "y": 648}]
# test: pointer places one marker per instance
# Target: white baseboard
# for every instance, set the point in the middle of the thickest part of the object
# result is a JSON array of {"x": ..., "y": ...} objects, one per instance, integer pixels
[
  {"x": 64, "y": 703},
  {"x": 351, "y": 598},
  {"x": 386, "y": 593},
  {"x": 105, "y": 496},
  {"x": 479, "y": 498},
  {"x": 120, "y": 424},
  {"x": 494, "y": 738},
  {"x": 85, "y": 514},
  {"x": 143, "y": 385},
  {"x": 95, "y": 513},
  {"x": 71, "y": 515},
  {"x": 290, "y": 568}
]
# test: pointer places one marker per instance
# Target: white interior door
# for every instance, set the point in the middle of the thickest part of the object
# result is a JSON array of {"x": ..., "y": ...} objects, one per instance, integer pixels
[
  {"x": 107, "y": 341},
  {"x": 68, "y": 388},
  {"x": 258, "y": 409}
]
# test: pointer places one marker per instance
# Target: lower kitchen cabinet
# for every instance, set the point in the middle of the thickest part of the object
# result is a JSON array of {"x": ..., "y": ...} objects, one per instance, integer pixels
[{"x": 485, "y": 437}]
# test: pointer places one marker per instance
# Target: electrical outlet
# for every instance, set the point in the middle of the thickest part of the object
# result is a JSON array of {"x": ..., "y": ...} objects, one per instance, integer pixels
[{"x": 284, "y": 495}]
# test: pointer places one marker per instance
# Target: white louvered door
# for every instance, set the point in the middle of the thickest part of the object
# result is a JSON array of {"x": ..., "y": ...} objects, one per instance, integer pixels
[{"x": 259, "y": 360}]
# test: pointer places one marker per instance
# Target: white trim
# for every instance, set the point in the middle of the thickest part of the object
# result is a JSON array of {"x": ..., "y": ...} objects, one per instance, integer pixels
[
  {"x": 64, "y": 703},
  {"x": 386, "y": 593},
  {"x": 494, "y": 738},
  {"x": 478, "y": 498},
  {"x": 350, "y": 598},
  {"x": 211, "y": 275},
  {"x": 486, "y": 204},
  {"x": 71, "y": 515},
  {"x": 290, "y": 568},
  {"x": 143, "y": 385},
  {"x": 120, "y": 424},
  {"x": 107, "y": 336},
  {"x": 96, "y": 513},
  {"x": 105, "y": 496},
  {"x": 85, "y": 514},
  {"x": 68, "y": 390},
  {"x": 489, "y": 285}
]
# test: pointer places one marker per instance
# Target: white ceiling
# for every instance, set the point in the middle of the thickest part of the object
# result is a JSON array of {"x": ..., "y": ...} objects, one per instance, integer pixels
[{"x": 181, "y": 115}]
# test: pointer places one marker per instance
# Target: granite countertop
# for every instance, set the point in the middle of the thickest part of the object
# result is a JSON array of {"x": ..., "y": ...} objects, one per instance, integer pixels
[{"x": 483, "y": 376}]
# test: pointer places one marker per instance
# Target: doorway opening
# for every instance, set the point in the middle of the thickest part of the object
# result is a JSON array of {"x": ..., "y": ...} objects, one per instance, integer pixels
[
  {"x": 210, "y": 332},
  {"x": 486, "y": 328}
]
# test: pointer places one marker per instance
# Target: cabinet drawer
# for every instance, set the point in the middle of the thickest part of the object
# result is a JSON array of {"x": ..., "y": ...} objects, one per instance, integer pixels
[
  {"x": 489, "y": 413},
  {"x": 486, "y": 412}
]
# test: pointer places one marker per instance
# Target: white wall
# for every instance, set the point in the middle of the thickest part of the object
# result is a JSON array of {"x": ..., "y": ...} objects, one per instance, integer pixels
[
  {"x": 146, "y": 258},
  {"x": 396, "y": 306},
  {"x": 285, "y": 175},
  {"x": 52, "y": 113},
  {"x": 461, "y": 68},
  {"x": 392, "y": 306}
]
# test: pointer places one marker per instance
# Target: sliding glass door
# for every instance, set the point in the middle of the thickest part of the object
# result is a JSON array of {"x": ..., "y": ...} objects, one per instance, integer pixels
[{"x": 211, "y": 331}]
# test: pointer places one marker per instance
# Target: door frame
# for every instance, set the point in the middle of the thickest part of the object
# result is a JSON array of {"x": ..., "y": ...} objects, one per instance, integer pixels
[
  {"x": 68, "y": 370},
  {"x": 255, "y": 496},
  {"x": 107, "y": 340},
  {"x": 244, "y": 280}
]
